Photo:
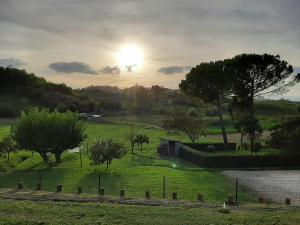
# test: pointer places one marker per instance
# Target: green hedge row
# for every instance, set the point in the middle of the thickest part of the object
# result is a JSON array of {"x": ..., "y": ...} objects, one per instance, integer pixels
[
  {"x": 217, "y": 146},
  {"x": 237, "y": 161}
]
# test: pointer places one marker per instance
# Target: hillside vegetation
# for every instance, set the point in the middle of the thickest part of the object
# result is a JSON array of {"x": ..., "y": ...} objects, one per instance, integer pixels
[{"x": 20, "y": 90}]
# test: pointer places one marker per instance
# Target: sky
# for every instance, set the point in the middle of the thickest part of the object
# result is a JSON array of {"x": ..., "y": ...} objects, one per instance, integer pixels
[{"x": 85, "y": 42}]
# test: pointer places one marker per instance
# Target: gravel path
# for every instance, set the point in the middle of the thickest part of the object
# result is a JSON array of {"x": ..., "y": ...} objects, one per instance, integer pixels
[{"x": 272, "y": 185}]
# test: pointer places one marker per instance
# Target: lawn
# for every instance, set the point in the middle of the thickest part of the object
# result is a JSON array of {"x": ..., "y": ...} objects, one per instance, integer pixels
[
  {"x": 28, "y": 212},
  {"x": 136, "y": 174}
]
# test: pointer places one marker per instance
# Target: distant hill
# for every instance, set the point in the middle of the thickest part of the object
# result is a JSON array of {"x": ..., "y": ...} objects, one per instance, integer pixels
[
  {"x": 19, "y": 90},
  {"x": 276, "y": 107}
]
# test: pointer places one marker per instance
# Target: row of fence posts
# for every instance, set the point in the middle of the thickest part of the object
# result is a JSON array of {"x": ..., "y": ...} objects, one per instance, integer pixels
[
  {"x": 230, "y": 200},
  {"x": 59, "y": 188}
]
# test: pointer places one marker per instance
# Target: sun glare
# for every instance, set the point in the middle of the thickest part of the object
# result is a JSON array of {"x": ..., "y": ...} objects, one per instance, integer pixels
[{"x": 130, "y": 56}]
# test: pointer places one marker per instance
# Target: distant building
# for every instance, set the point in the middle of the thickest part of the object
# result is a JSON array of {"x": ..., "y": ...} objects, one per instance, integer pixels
[{"x": 169, "y": 147}]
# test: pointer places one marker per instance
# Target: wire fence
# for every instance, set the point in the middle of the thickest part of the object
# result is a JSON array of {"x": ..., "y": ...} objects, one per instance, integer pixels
[
  {"x": 159, "y": 187},
  {"x": 272, "y": 190}
]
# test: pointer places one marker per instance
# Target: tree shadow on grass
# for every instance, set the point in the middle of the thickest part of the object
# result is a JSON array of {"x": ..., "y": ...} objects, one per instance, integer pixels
[{"x": 111, "y": 182}]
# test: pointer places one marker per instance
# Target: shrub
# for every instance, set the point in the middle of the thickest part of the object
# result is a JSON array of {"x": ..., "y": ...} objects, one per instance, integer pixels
[
  {"x": 106, "y": 151},
  {"x": 257, "y": 147},
  {"x": 287, "y": 135}
]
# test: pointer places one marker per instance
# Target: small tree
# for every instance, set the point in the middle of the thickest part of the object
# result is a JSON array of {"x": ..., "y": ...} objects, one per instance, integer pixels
[
  {"x": 141, "y": 139},
  {"x": 130, "y": 136},
  {"x": 48, "y": 132},
  {"x": 244, "y": 121},
  {"x": 192, "y": 126},
  {"x": 7, "y": 145},
  {"x": 106, "y": 151}
]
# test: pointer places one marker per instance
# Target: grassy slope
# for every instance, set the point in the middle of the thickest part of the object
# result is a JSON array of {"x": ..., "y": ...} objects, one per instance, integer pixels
[
  {"x": 27, "y": 212},
  {"x": 144, "y": 171}
]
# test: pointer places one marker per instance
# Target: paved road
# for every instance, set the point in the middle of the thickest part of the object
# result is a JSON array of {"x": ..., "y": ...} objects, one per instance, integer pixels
[{"x": 273, "y": 185}]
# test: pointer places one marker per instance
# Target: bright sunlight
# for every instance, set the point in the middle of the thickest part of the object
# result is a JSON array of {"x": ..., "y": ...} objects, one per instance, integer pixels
[{"x": 130, "y": 56}]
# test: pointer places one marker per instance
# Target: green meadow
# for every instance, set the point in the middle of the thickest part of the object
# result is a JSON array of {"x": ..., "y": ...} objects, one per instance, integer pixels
[{"x": 144, "y": 170}]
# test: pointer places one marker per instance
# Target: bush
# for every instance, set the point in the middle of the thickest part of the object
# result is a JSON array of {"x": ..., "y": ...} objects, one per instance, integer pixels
[
  {"x": 287, "y": 135},
  {"x": 257, "y": 147}
]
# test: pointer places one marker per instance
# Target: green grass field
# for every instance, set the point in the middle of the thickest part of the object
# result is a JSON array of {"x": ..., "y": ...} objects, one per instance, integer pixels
[
  {"x": 144, "y": 171},
  {"x": 28, "y": 212}
]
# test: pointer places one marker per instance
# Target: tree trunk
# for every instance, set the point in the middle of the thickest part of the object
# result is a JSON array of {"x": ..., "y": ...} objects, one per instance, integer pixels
[
  {"x": 252, "y": 132},
  {"x": 242, "y": 140},
  {"x": 8, "y": 156},
  {"x": 57, "y": 157},
  {"x": 222, "y": 124},
  {"x": 107, "y": 164},
  {"x": 44, "y": 156}
]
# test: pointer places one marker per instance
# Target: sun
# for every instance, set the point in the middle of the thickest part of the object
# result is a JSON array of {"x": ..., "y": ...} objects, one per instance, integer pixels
[{"x": 130, "y": 56}]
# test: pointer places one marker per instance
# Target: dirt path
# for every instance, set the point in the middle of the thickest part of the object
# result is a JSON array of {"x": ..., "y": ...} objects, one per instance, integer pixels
[{"x": 272, "y": 185}]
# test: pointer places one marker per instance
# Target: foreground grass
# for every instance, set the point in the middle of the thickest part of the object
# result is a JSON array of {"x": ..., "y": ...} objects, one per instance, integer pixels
[{"x": 28, "y": 212}]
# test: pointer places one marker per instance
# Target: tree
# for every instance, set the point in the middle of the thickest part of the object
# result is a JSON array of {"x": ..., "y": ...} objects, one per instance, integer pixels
[
  {"x": 7, "y": 145},
  {"x": 243, "y": 121},
  {"x": 141, "y": 139},
  {"x": 48, "y": 132},
  {"x": 192, "y": 126},
  {"x": 131, "y": 138},
  {"x": 106, "y": 151},
  {"x": 159, "y": 93},
  {"x": 286, "y": 136},
  {"x": 211, "y": 83},
  {"x": 255, "y": 75}
]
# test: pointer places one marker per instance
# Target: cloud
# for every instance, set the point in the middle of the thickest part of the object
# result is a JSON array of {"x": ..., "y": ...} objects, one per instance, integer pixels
[
  {"x": 129, "y": 67},
  {"x": 174, "y": 69},
  {"x": 72, "y": 67},
  {"x": 110, "y": 70},
  {"x": 11, "y": 62}
]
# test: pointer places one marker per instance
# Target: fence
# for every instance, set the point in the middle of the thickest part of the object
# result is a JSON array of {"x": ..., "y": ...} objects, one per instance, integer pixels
[
  {"x": 158, "y": 187},
  {"x": 272, "y": 190}
]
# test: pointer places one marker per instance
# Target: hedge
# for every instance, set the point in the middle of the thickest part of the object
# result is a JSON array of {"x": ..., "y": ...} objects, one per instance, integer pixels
[
  {"x": 217, "y": 146},
  {"x": 238, "y": 161}
]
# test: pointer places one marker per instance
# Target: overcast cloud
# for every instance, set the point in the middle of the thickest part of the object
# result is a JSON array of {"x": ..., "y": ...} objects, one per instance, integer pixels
[
  {"x": 170, "y": 32},
  {"x": 72, "y": 67},
  {"x": 110, "y": 70},
  {"x": 174, "y": 69}
]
